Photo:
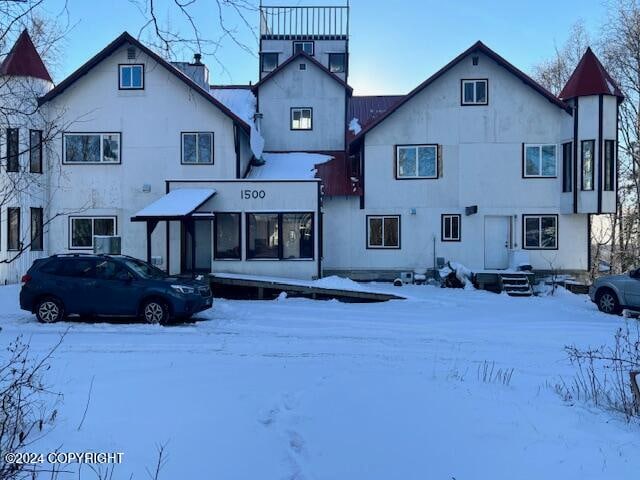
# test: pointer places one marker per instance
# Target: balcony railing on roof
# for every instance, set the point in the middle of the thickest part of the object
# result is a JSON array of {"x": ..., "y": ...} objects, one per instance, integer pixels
[{"x": 287, "y": 23}]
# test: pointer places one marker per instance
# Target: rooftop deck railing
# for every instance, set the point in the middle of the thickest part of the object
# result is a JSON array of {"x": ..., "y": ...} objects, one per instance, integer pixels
[{"x": 304, "y": 22}]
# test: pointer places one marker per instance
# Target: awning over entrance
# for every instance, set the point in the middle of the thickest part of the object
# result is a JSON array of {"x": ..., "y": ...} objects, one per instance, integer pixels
[
  {"x": 181, "y": 205},
  {"x": 175, "y": 205}
]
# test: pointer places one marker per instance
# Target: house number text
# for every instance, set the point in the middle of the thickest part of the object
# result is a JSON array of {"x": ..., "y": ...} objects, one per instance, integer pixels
[{"x": 252, "y": 194}]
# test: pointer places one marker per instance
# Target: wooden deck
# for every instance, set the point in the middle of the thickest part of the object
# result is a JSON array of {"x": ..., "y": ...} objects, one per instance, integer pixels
[{"x": 257, "y": 288}]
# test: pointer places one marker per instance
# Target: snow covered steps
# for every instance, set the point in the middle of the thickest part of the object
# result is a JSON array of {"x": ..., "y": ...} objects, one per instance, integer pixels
[{"x": 516, "y": 285}]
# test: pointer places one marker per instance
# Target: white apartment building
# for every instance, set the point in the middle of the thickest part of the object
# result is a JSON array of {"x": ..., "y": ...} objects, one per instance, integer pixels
[{"x": 296, "y": 176}]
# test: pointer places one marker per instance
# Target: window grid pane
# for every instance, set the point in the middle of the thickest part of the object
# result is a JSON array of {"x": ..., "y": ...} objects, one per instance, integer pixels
[
  {"x": 35, "y": 151},
  {"x": 82, "y": 232},
  {"x": 587, "y": 164},
  {"x": 532, "y": 161},
  {"x": 481, "y": 91},
  {"x": 36, "y": 229},
  {"x": 391, "y": 233},
  {"x": 13, "y": 221},
  {"x": 297, "y": 235},
  {"x": 263, "y": 236}
]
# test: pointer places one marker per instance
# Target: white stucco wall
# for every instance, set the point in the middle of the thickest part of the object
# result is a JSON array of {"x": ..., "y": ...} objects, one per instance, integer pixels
[
  {"x": 150, "y": 122},
  {"x": 292, "y": 87},
  {"x": 481, "y": 164}
]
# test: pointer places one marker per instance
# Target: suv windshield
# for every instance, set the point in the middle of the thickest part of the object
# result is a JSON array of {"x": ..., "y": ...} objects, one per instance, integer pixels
[{"x": 144, "y": 269}]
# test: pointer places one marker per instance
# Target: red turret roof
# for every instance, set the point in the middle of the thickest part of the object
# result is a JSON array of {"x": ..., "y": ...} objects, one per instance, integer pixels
[
  {"x": 24, "y": 61},
  {"x": 590, "y": 78}
]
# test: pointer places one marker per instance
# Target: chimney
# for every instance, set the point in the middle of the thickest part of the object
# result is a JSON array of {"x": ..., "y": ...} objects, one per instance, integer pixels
[{"x": 196, "y": 71}]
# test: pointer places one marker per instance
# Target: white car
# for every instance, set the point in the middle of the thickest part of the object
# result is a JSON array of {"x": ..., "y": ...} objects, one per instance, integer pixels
[{"x": 614, "y": 293}]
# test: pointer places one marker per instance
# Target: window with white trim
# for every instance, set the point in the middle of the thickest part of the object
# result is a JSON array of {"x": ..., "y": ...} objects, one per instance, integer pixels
[
  {"x": 131, "y": 77},
  {"x": 301, "y": 118},
  {"x": 383, "y": 231},
  {"x": 451, "y": 228},
  {"x": 197, "y": 148},
  {"x": 475, "y": 92},
  {"x": 540, "y": 161},
  {"x": 416, "y": 161},
  {"x": 540, "y": 232},
  {"x": 83, "y": 148},
  {"x": 83, "y": 229}
]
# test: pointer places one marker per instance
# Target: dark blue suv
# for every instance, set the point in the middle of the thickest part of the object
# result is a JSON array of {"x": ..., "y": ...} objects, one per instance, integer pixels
[{"x": 109, "y": 285}]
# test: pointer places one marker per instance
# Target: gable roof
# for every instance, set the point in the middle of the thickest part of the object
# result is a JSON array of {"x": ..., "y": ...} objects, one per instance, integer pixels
[
  {"x": 126, "y": 38},
  {"x": 24, "y": 60},
  {"x": 295, "y": 57},
  {"x": 476, "y": 47},
  {"x": 590, "y": 78}
]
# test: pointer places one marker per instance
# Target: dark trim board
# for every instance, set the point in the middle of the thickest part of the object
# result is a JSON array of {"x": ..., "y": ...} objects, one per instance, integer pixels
[
  {"x": 524, "y": 235},
  {"x": 575, "y": 156},
  {"x": 395, "y": 159},
  {"x": 600, "y": 148},
  {"x": 319, "y": 235},
  {"x": 119, "y": 162},
  {"x": 383, "y": 216}
]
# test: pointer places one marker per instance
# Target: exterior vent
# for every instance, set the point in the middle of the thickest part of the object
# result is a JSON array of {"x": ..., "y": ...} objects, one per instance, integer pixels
[
  {"x": 475, "y": 59},
  {"x": 131, "y": 53},
  {"x": 156, "y": 261},
  {"x": 303, "y": 66}
]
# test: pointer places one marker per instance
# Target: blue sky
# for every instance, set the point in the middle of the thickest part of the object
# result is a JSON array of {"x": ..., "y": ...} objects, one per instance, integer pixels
[{"x": 394, "y": 45}]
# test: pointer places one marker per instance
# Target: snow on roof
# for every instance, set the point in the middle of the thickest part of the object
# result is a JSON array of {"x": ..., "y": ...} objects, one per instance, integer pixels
[
  {"x": 354, "y": 126},
  {"x": 177, "y": 203},
  {"x": 240, "y": 101},
  {"x": 288, "y": 166}
]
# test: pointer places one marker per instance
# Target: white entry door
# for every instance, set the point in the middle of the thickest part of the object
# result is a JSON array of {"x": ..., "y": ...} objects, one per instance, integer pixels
[{"x": 497, "y": 239}]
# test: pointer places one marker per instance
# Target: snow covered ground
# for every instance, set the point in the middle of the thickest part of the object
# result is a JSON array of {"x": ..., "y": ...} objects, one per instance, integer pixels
[{"x": 303, "y": 389}]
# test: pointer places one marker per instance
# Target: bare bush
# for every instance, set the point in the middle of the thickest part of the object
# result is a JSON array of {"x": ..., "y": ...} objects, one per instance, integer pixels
[
  {"x": 603, "y": 375},
  {"x": 488, "y": 373},
  {"x": 27, "y": 405}
]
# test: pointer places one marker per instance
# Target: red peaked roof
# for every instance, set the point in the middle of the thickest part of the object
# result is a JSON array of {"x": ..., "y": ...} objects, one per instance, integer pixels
[
  {"x": 24, "y": 61},
  {"x": 590, "y": 78}
]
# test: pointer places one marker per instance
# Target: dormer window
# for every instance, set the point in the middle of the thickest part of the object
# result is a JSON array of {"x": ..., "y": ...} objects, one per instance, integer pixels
[
  {"x": 131, "y": 77},
  {"x": 306, "y": 47},
  {"x": 474, "y": 92},
  {"x": 337, "y": 62}
]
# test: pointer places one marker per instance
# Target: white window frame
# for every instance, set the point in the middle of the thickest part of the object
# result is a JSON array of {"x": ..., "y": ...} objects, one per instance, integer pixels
[
  {"x": 302, "y": 109},
  {"x": 197, "y": 134},
  {"x": 93, "y": 221},
  {"x": 475, "y": 82},
  {"x": 539, "y": 218},
  {"x": 383, "y": 246},
  {"x": 92, "y": 134},
  {"x": 416, "y": 147},
  {"x": 451, "y": 217},
  {"x": 130, "y": 66},
  {"x": 539, "y": 146}
]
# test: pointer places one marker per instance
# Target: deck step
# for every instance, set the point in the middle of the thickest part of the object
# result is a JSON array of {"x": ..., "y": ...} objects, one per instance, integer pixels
[{"x": 516, "y": 285}]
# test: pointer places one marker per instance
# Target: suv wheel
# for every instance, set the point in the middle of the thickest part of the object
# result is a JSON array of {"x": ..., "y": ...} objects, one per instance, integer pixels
[
  {"x": 49, "y": 310},
  {"x": 155, "y": 311},
  {"x": 608, "y": 302}
]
